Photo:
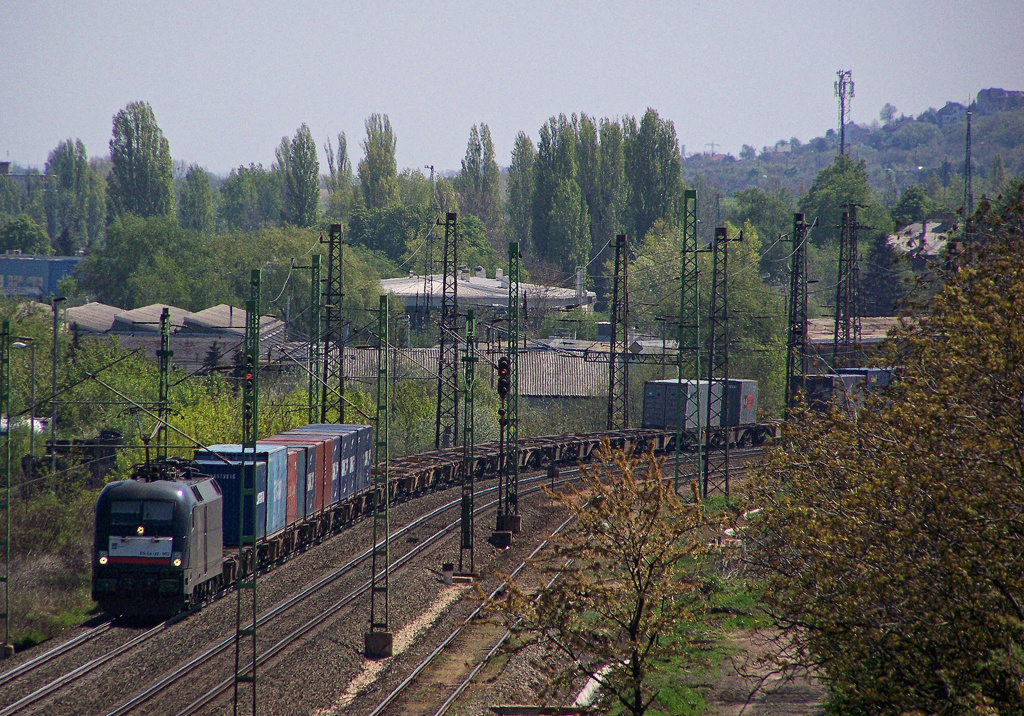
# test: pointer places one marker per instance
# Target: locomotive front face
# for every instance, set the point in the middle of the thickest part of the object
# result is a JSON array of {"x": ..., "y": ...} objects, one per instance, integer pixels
[{"x": 140, "y": 553}]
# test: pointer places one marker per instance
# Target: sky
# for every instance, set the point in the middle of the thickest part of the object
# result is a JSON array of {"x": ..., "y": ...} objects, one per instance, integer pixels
[{"x": 228, "y": 80}]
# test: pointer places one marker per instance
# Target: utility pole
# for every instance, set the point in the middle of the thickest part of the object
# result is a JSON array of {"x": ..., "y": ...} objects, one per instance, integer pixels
[
  {"x": 688, "y": 350},
  {"x": 844, "y": 91},
  {"x": 5, "y": 481},
  {"x": 53, "y": 400},
  {"x": 245, "y": 635},
  {"x": 618, "y": 359},
  {"x": 968, "y": 174},
  {"x": 379, "y": 641},
  {"x": 796, "y": 343},
  {"x": 446, "y": 424},
  {"x": 334, "y": 326},
  {"x": 716, "y": 462},
  {"x": 313, "y": 354},
  {"x": 468, "y": 472}
]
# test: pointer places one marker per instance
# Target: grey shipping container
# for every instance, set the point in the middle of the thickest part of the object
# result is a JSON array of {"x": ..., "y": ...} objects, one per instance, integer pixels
[
  {"x": 661, "y": 398},
  {"x": 820, "y": 389},
  {"x": 742, "y": 402}
]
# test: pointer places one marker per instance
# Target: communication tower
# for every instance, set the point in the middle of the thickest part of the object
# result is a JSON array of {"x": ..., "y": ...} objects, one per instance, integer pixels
[{"x": 844, "y": 91}]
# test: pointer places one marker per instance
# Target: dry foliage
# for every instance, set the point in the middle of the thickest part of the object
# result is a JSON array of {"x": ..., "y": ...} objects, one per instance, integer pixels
[
  {"x": 615, "y": 591},
  {"x": 891, "y": 549}
]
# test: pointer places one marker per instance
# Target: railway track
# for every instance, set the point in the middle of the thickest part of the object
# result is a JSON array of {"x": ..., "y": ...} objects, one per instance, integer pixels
[
  {"x": 68, "y": 678},
  {"x": 292, "y": 636},
  {"x": 393, "y": 702},
  {"x": 143, "y": 700}
]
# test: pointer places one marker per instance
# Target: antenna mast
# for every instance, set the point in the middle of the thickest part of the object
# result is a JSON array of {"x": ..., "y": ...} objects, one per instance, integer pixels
[{"x": 844, "y": 91}]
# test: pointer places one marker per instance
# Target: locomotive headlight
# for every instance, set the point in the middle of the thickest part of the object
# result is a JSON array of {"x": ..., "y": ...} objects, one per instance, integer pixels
[
  {"x": 176, "y": 559},
  {"x": 103, "y": 558}
]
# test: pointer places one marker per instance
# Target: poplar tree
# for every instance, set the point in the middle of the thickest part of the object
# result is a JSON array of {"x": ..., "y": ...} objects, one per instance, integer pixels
[
  {"x": 518, "y": 205},
  {"x": 75, "y": 199},
  {"x": 378, "y": 170},
  {"x": 141, "y": 180},
  {"x": 653, "y": 170},
  {"x": 300, "y": 178}
]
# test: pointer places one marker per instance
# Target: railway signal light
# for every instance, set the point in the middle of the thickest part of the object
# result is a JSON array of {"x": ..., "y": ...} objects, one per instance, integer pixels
[
  {"x": 248, "y": 388},
  {"x": 503, "y": 377}
]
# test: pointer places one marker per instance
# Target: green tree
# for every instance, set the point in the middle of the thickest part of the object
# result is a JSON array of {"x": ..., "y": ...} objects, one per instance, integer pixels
[
  {"x": 22, "y": 234},
  {"x": 555, "y": 164},
  {"x": 415, "y": 189},
  {"x": 390, "y": 230},
  {"x": 250, "y": 198},
  {"x": 914, "y": 205},
  {"x": 623, "y": 593},
  {"x": 141, "y": 178},
  {"x": 653, "y": 170},
  {"x": 378, "y": 170},
  {"x": 887, "y": 113},
  {"x": 75, "y": 199},
  {"x": 518, "y": 205},
  {"x": 842, "y": 183},
  {"x": 997, "y": 175},
  {"x": 771, "y": 213},
  {"x": 479, "y": 182},
  {"x": 889, "y": 548},
  {"x": 10, "y": 196},
  {"x": 196, "y": 204},
  {"x": 569, "y": 227},
  {"x": 300, "y": 178},
  {"x": 343, "y": 194}
]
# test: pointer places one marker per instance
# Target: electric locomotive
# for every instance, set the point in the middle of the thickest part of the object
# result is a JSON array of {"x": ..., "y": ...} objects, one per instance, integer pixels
[{"x": 159, "y": 543}]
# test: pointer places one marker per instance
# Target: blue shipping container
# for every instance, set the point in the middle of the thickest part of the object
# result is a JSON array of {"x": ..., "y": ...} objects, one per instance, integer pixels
[
  {"x": 276, "y": 458},
  {"x": 357, "y": 453},
  {"x": 335, "y": 463},
  {"x": 229, "y": 480}
]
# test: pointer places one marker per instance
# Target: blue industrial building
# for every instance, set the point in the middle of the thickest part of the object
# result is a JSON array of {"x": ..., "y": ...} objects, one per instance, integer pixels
[{"x": 36, "y": 277}]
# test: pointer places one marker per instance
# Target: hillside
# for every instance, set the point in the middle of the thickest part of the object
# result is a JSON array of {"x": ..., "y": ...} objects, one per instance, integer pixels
[{"x": 927, "y": 150}]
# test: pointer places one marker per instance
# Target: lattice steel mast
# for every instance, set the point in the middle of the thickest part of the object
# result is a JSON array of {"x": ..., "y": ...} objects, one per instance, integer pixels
[
  {"x": 334, "y": 328},
  {"x": 447, "y": 420},
  {"x": 847, "y": 329},
  {"x": 716, "y": 462},
  {"x": 844, "y": 91},
  {"x": 618, "y": 359},
  {"x": 511, "y": 504},
  {"x": 796, "y": 342},
  {"x": 163, "y": 407},
  {"x": 245, "y": 634},
  {"x": 688, "y": 351},
  {"x": 468, "y": 473},
  {"x": 379, "y": 640}
]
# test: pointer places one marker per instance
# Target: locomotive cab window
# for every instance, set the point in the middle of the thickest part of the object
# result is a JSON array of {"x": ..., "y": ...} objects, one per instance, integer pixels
[{"x": 148, "y": 513}]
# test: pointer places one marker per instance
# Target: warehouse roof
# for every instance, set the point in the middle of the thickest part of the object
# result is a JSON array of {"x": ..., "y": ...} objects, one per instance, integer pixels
[
  {"x": 475, "y": 289},
  {"x": 873, "y": 329},
  {"x": 195, "y": 336},
  {"x": 922, "y": 239}
]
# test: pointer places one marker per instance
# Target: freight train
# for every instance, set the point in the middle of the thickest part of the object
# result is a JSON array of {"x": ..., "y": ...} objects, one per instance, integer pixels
[{"x": 169, "y": 538}]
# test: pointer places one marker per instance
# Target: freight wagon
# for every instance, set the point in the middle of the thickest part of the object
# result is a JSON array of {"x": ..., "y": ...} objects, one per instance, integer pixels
[{"x": 171, "y": 538}]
